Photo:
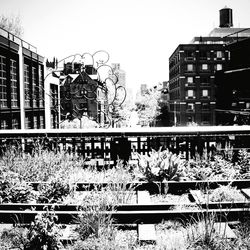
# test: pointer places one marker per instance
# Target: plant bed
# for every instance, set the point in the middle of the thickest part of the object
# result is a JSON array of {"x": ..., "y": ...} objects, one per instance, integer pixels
[{"x": 221, "y": 197}]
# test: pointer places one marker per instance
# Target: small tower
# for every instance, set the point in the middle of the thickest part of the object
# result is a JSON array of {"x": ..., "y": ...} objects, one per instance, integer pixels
[{"x": 226, "y": 18}]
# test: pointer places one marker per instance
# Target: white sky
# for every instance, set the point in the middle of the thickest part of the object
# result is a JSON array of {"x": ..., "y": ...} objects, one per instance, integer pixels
[{"x": 139, "y": 34}]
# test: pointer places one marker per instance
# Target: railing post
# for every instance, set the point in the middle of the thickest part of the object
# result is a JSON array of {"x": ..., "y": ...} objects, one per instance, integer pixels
[
  {"x": 103, "y": 148},
  {"x": 92, "y": 147},
  {"x": 148, "y": 144},
  {"x": 187, "y": 148},
  {"x": 83, "y": 147},
  {"x": 177, "y": 145},
  {"x": 139, "y": 145}
]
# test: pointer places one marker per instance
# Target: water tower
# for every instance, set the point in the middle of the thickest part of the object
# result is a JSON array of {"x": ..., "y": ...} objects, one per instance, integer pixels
[{"x": 226, "y": 18}]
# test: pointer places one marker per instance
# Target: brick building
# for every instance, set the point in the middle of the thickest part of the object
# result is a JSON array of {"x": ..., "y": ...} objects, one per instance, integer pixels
[
  {"x": 192, "y": 69},
  {"x": 81, "y": 94}
]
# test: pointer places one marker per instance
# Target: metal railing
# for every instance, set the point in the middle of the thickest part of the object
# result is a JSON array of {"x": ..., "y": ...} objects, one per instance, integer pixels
[
  {"x": 18, "y": 40},
  {"x": 105, "y": 146}
]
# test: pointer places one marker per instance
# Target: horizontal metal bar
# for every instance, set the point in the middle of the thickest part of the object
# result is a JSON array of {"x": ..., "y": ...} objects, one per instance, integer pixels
[
  {"x": 172, "y": 187},
  {"x": 127, "y": 132},
  {"x": 130, "y": 217}
]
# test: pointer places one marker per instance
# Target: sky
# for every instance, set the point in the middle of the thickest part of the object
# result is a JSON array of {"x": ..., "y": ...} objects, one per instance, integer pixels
[{"x": 141, "y": 35}]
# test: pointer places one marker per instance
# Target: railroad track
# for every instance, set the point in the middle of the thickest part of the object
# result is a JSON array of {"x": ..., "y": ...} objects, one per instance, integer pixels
[
  {"x": 144, "y": 212},
  {"x": 172, "y": 187}
]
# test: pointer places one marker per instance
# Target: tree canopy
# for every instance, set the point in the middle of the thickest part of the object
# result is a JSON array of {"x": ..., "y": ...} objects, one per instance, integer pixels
[
  {"x": 147, "y": 107},
  {"x": 11, "y": 24}
]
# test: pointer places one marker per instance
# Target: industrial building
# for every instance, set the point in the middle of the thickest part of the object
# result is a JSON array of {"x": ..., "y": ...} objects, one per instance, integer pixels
[{"x": 22, "y": 94}]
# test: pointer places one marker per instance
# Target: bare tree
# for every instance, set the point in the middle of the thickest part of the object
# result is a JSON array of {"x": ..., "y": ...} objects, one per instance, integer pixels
[{"x": 11, "y": 24}]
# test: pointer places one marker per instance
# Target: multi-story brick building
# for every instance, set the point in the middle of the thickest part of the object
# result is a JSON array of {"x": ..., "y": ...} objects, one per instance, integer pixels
[
  {"x": 192, "y": 69},
  {"x": 22, "y": 92}
]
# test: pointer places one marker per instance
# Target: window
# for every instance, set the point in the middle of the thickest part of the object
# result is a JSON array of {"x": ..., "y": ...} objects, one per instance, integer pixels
[
  {"x": 53, "y": 96},
  {"x": 28, "y": 121},
  {"x": 247, "y": 105},
  {"x": 205, "y": 118},
  {"x": 13, "y": 80},
  {"x": 190, "y": 93},
  {"x": 190, "y": 67},
  {"x": 69, "y": 80},
  {"x": 189, "y": 55},
  {"x": 190, "y": 79},
  {"x": 190, "y": 119},
  {"x": 41, "y": 121},
  {"x": 15, "y": 123},
  {"x": 41, "y": 86},
  {"x": 35, "y": 122},
  {"x": 218, "y": 67},
  {"x": 204, "y": 66},
  {"x": 3, "y": 83},
  {"x": 205, "y": 106},
  {"x": 190, "y": 107},
  {"x": 4, "y": 124},
  {"x": 26, "y": 85},
  {"x": 204, "y": 93},
  {"x": 204, "y": 80},
  {"x": 204, "y": 55},
  {"x": 34, "y": 87},
  {"x": 219, "y": 54}
]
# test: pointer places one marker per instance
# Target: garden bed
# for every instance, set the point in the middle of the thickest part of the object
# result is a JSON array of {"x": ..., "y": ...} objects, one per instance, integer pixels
[{"x": 45, "y": 188}]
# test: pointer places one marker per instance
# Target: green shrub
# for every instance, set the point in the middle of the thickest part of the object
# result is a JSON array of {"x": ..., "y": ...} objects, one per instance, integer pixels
[
  {"x": 54, "y": 191},
  {"x": 14, "y": 189},
  {"x": 14, "y": 238},
  {"x": 44, "y": 233},
  {"x": 226, "y": 193}
]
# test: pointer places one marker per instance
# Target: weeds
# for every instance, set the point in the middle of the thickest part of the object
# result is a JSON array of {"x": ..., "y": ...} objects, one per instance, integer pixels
[{"x": 43, "y": 233}]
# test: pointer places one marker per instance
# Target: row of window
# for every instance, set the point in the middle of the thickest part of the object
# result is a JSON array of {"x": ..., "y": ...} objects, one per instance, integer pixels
[
  {"x": 190, "y": 93},
  {"x": 204, "y": 67},
  {"x": 14, "y": 124},
  {"x": 203, "y": 79},
  {"x": 191, "y": 68},
  {"x": 3, "y": 82},
  {"x": 53, "y": 95},
  {"x": 205, "y": 119},
  {"x": 190, "y": 80},
  {"x": 190, "y": 107},
  {"x": 34, "y": 121},
  {"x": 37, "y": 93},
  {"x": 242, "y": 105},
  {"x": 202, "y": 55},
  {"x": 33, "y": 88}
]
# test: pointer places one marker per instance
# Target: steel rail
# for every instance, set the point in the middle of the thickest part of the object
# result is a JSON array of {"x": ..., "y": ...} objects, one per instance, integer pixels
[{"x": 131, "y": 217}]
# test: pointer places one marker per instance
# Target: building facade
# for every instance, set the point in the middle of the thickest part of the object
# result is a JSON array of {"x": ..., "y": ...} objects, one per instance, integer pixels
[
  {"x": 81, "y": 94},
  {"x": 192, "y": 69},
  {"x": 22, "y": 104},
  {"x": 233, "y": 86}
]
